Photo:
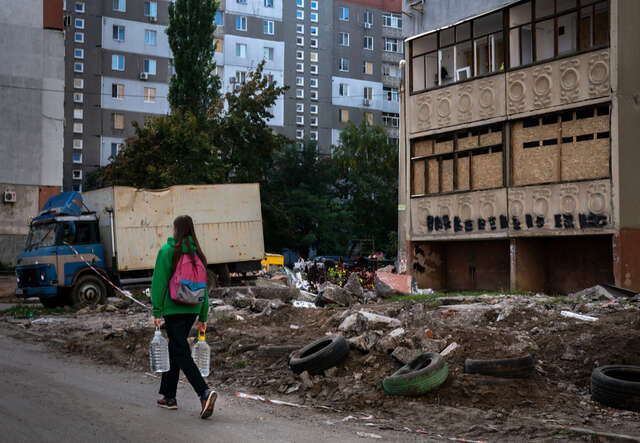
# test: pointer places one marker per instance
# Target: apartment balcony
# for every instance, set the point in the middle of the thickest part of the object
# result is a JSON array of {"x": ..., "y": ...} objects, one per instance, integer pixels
[
  {"x": 391, "y": 57},
  {"x": 391, "y": 82},
  {"x": 391, "y": 32}
]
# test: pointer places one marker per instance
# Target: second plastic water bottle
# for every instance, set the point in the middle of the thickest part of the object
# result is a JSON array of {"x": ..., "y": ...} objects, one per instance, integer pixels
[
  {"x": 159, "y": 353},
  {"x": 201, "y": 354}
]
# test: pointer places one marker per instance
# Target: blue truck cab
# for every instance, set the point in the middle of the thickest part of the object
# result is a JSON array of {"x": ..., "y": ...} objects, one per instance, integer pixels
[{"x": 63, "y": 255}]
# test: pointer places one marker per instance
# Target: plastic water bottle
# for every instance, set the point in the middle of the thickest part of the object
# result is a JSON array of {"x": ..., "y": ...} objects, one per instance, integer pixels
[
  {"x": 159, "y": 353},
  {"x": 201, "y": 354}
]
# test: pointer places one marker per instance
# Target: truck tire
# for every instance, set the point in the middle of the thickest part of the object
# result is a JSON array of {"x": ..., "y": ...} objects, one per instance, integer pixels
[
  {"x": 520, "y": 367},
  {"x": 89, "y": 290},
  {"x": 422, "y": 374},
  {"x": 320, "y": 355},
  {"x": 617, "y": 386}
]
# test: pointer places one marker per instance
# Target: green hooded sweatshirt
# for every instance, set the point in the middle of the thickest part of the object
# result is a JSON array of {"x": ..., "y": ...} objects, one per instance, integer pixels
[{"x": 160, "y": 297}]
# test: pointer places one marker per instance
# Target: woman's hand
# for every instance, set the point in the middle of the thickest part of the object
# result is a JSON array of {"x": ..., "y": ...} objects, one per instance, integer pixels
[
  {"x": 157, "y": 322},
  {"x": 201, "y": 326}
]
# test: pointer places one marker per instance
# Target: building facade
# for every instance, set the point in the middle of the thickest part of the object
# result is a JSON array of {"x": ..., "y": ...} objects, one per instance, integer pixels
[
  {"x": 118, "y": 66},
  {"x": 31, "y": 109},
  {"x": 519, "y": 145}
]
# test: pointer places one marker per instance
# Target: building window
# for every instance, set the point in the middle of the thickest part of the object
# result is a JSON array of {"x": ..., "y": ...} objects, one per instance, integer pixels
[
  {"x": 151, "y": 8},
  {"x": 300, "y": 41},
  {"x": 78, "y": 53},
  {"x": 268, "y": 53},
  {"x": 313, "y": 69},
  {"x": 343, "y": 38},
  {"x": 117, "y": 91},
  {"x": 77, "y": 128},
  {"x": 367, "y": 93},
  {"x": 314, "y": 31},
  {"x": 313, "y": 17},
  {"x": 120, "y": 5},
  {"x": 299, "y": 67},
  {"x": 241, "y": 23},
  {"x": 368, "y": 19},
  {"x": 149, "y": 37},
  {"x": 313, "y": 95},
  {"x": 313, "y": 56},
  {"x": 78, "y": 97},
  {"x": 300, "y": 29},
  {"x": 218, "y": 19},
  {"x": 300, "y": 3},
  {"x": 115, "y": 149},
  {"x": 78, "y": 83},
  {"x": 241, "y": 2},
  {"x": 314, "y": 5},
  {"x": 78, "y": 23},
  {"x": 313, "y": 135},
  {"x": 313, "y": 43},
  {"x": 367, "y": 68},
  {"x": 390, "y": 20},
  {"x": 117, "y": 62},
  {"x": 343, "y": 14},
  {"x": 299, "y": 81},
  {"x": 343, "y": 64},
  {"x": 149, "y": 95},
  {"x": 299, "y": 107},
  {"x": 218, "y": 45},
  {"x": 241, "y": 50},
  {"x": 268, "y": 27},
  {"x": 77, "y": 143},
  {"x": 390, "y": 119},
  {"x": 78, "y": 67},
  {"x": 241, "y": 77},
  {"x": 313, "y": 121},
  {"x": 343, "y": 90},
  {"x": 299, "y": 93},
  {"x": 313, "y": 82},
  {"x": 368, "y": 117},
  {"x": 77, "y": 157},
  {"x": 76, "y": 174},
  {"x": 268, "y": 3},
  {"x": 78, "y": 37},
  {"x": 149, "y": 66},
  {"x": 118, "y": 120},
  {"x": 390, "y": 94},
  {"x": 80, "y": 7},
  {"x": 299, "y": 55},
  {"x": 76, "y": 187},
  {"x": 389, "y": 70},
  {"x": 299, "y": 119},
  {"x": 299, "y": 134},
  {"x": 392, "y": 45},
  {"x": 344, "y": 115},
  {"x": 368, "y": 42},
  {"x": 118, "y": 33},
  {"x": 300, "y": 14},
  {"x": 313, "y": 109}
]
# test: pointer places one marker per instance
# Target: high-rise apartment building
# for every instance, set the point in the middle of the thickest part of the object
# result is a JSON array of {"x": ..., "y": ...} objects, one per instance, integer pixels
[
  {"x": 339, "y": 59},
  {"x": 519, "y": 150}
]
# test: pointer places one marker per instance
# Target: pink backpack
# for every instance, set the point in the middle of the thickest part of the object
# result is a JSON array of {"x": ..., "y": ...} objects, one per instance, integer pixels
[{"x": 189, "y": 283}]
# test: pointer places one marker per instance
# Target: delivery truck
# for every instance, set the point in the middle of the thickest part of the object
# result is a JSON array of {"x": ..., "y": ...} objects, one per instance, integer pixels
[{"x": 80, "y": 242}]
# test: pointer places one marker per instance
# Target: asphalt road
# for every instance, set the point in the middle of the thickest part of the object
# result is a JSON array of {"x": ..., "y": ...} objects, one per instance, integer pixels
[{"x": 45, "y": 397}]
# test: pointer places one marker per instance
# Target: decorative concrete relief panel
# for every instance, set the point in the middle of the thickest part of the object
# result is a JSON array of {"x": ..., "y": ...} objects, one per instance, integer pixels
[
  {"x": 564, "y": 81},
  {"x": 565, "y": 208},
  {"x": 469, "y": 214},
  {"x": 457, "y": 104}
]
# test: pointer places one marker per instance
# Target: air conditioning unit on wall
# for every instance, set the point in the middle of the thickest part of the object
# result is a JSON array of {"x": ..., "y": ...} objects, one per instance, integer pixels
[
  {"x": 144, "y": 76},
  {"x": 9, "y": 197},
  {"x": 153, "y": 19}
]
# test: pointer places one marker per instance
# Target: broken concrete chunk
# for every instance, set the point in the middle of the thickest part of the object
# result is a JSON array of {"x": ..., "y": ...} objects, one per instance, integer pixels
[
  {"x": 353, "y": 286},
  {"x": 389, "y": 342},
  {"x": 242, "y": 301},
  {"x": 570, "y": 314},
  {"x": 223, "y": 312},
  {"x": 118, "y": 302},
  {"x": 387, "y": 284},
  {"x": 376, "y": 321},
  {"x": 364, "y": 342},
  {"x": 449, "y": 349},
  {"x": 405, "y": 355},
  {"x": 307, "y": 382},
  {"x": 354, "y": 323},
  {"x": 260, "y": 304},
  {"x": 337, "y": 296}
]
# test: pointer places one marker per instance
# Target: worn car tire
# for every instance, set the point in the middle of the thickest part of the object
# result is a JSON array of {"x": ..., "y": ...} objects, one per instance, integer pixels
[
  {"x": 520, "y": 367},
  {"x": 322, "y": 354},
  {"x": 421, "y": 375},
  {"x": 89, "y": 290},
  {"x": 617, "y": 386}
]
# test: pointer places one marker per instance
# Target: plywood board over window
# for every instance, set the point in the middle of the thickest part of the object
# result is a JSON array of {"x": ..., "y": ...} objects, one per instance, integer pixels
[
  {"x": 418, "y": 187},
  {"x": 486, "y": 170},
  {"x": 434, "y": 180},
  {"x": 467, "y": 140},
  {"x": 422, "y": 147},
  {"x": 444, "y": 145},
  {"x": 462, "y": 173},
  {"x": 447, "y": 175}
]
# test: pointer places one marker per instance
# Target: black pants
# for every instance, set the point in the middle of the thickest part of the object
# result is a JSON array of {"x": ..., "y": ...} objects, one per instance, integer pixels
[{"x": 178, "y": 327}]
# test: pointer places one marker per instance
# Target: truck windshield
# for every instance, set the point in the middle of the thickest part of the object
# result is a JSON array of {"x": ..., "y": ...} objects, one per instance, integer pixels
[{"x": 41, "y": 236}]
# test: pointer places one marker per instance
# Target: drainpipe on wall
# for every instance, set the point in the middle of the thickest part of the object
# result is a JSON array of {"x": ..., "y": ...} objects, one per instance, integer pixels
[{"x": 402, "y": 259}]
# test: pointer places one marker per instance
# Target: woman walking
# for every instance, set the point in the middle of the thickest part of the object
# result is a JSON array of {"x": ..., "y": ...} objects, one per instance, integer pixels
[{"x": 179, "y": 317}]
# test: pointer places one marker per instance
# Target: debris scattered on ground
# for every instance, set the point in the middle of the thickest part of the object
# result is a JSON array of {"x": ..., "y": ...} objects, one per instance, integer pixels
[{"x": 578, "y": 316}]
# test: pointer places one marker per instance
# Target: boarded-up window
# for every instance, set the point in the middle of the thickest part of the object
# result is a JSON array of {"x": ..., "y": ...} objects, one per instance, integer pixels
[
  {"x": 52, "y": 14},
  {"x": 118, "y": 120}
]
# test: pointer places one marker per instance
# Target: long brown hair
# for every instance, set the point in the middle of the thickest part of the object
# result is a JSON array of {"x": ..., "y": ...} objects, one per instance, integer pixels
[{"x": 183, "y": 227}]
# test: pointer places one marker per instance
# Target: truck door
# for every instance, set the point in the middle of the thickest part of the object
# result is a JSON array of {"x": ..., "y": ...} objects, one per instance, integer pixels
[{"x": 84, "y": 238}]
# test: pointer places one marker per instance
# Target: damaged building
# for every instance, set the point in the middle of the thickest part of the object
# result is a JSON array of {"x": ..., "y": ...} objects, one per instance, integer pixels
[{"x": 519, "y": 152}]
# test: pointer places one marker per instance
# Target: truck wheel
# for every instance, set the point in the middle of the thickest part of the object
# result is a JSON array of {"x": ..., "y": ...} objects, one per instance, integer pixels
[{"x": 89, "y": 290}]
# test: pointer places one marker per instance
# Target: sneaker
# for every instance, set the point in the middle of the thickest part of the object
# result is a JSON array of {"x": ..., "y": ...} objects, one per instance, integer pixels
[
  {"x": 208, "y": 400},
  {"x": 168, "y": 403}
]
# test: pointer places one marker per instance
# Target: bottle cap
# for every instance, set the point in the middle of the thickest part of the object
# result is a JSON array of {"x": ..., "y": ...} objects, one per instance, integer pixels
[{"x": 201, "y": 335}]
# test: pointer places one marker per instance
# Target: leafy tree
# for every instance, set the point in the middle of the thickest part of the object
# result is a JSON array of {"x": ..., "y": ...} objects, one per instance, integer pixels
[
  {"x": 193, "y": 87},
  {"x": 367, "y": 182}
]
